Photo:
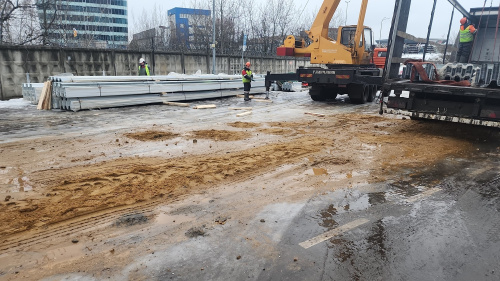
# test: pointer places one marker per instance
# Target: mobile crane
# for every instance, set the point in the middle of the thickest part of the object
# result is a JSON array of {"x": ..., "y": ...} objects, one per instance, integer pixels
[{"x": 346, "y": 67}]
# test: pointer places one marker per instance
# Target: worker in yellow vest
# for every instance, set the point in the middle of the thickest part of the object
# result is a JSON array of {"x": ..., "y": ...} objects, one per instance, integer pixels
[
  {"x": 247, "y": 78},
  {"x": 143, "y": 68},
  {"x": 467, "y": 32}
]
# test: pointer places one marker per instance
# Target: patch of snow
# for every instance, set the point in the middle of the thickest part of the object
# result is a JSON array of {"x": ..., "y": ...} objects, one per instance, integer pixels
[
  {"x": 15, "y": 103},
  {"x": 428, "y": 56}
]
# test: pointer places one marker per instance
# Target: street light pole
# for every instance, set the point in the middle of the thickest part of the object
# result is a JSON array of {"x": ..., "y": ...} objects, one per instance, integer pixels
[
  {"x": 213, "y": 37},
  {"x": 347, "y": 8},
  {"x": 380, "y": 35}
]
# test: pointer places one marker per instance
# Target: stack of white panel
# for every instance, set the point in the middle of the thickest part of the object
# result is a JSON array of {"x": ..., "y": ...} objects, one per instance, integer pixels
[{"x": 93, "y": 92}]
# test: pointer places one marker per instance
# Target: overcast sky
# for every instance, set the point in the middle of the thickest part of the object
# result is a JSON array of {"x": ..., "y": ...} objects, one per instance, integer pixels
[{"x": 377, "y": 10}]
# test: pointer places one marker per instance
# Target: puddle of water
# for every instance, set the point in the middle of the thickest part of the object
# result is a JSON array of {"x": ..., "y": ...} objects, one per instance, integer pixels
[
  {"x": 319, "y": 171},
  {"x": 348, "y": 175},
  {"x": 284, "y": 168},
  {"x": 348, "y": 200},
  {"x": 164, "y": 218},
  {"x": 327, "y": 220},
  {"x": 64, "y": 254},
  {"x": 369, "y": 147},
  {"x": 405, "y": 188},
  {"x": 21, "y": 184}
]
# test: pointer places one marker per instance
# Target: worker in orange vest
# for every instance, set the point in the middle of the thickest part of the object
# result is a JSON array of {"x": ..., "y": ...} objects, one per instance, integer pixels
[
  {"x": 467, "y": 32},
  {"x": 247, "y": 78}
]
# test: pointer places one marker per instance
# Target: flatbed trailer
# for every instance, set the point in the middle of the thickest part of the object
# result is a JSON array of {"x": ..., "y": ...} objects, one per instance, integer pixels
[
  {"x": 478, "y": 104},
  {"x": 469, "y": 105}
]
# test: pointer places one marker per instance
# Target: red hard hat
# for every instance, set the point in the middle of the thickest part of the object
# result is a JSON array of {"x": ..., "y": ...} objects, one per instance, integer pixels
[
  {"x": 463, "y": 20},
  {"x": 247, "y": 64}
]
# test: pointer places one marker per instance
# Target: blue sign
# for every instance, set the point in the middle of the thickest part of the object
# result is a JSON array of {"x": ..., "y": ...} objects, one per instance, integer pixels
[{"x": 244, "y": 39}]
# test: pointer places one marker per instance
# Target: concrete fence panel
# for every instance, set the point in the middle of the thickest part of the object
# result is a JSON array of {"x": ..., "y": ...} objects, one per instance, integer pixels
[{"x": 41, "y": 62}]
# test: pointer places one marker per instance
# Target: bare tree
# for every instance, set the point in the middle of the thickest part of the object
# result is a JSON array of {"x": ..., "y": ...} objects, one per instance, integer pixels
[
  {"x": 48, "y": 12},
  {"x": 28, "y": 31},
  {"x": 20, "y": 22},
  {"x": 150, "y": 30},
  {"x": 10, "y": 13}
]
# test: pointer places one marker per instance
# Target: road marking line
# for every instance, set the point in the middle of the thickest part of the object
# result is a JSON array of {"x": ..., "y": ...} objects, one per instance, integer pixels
[
  {"x": 334, "y": 232},
  {"x": 422, "y": 195}
]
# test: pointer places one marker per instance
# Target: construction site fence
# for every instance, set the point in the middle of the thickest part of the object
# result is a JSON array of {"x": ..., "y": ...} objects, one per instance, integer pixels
[{"x": 35, "y": 64}]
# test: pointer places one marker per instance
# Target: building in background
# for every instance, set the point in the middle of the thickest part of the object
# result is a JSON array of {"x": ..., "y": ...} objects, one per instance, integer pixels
[
  {"x": 189, "y": 27},
  {"x": 84, "y": 23},
  {"x": 158, "y": 37}
]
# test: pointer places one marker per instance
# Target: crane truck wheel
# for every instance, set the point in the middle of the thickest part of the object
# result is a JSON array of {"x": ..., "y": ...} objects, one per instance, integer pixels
[
  {"x": 317, "y": 93},
  {"x": 358, "y": 93},
  {"x": 371, "y": 93}
]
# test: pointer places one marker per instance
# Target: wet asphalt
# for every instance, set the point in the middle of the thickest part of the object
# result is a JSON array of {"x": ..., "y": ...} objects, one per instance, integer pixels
[
  {"x": 408, "y": 228},
  {"x": 437, "y": 223}
]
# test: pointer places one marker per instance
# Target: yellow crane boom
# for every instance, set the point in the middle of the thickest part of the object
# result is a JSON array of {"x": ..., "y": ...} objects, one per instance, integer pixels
[{"x": 324, "y": 50}]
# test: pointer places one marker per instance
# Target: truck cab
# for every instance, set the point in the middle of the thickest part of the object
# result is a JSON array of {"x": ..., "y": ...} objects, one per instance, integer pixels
[{"x": 379, "y": 55}]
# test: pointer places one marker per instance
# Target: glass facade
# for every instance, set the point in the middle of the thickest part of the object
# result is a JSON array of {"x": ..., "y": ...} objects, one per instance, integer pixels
[{"x": 85, "y": 23}]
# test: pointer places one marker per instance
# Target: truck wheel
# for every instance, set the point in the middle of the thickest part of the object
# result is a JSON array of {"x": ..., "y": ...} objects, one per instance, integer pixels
[
  {"x": 371, "y": 93},
  {"x": 318, "y": 98},
  {"x": 358, "y": 93},
  {"x": 317, "y": 93}
]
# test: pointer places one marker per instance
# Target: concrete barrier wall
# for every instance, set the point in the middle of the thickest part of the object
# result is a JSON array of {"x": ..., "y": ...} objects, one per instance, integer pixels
[{"x": 41, "y": 62}]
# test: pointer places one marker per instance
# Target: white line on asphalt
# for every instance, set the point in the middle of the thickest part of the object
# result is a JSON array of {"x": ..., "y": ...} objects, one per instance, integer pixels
[
  {"x": 334, "y": 232},
  {"x": 422, "y": 195}
]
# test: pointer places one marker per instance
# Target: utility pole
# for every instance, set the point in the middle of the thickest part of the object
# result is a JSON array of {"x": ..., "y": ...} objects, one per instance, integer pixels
[
  {"x": 153, "y": 49},
  {"x": 380, "y": 35},
  {"x": 243, "y": 48},
  {"x": 347, "y": 8},
  {"x": 213, "y": 37}
]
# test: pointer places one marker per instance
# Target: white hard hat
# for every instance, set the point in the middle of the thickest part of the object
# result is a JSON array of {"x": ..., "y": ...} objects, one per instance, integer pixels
[{"x": 141, "y": 60}]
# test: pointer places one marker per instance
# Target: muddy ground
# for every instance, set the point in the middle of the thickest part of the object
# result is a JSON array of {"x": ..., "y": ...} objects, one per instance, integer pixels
[{"x": 74, "y": 195}]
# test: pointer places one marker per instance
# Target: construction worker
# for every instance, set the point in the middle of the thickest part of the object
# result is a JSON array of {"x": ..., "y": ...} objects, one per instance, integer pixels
[
  {"x": 143, "y": 68},
  {"x": 467, "y": 32},
  {"x": 247, "y": 78}
]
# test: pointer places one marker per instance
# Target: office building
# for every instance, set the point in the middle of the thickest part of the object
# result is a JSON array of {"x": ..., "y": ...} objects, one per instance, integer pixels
[
  {"x": 85, "y": 23},
  {"x": 186, "y": 24}
]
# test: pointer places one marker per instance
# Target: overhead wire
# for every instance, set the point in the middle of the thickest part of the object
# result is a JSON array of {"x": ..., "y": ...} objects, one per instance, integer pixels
[{"x": 303, "y": 9}]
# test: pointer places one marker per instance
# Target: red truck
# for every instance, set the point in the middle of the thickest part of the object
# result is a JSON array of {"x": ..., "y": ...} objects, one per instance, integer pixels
[{"x": 378, "y": 58}]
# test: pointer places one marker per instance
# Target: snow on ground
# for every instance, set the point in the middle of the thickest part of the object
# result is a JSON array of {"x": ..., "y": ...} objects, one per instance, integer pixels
[
  {"x": 428, "y": 56},
  {"x": 14, "y": 103}
]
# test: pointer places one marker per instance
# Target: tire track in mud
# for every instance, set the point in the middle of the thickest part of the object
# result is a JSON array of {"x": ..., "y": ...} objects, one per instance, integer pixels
[
  {"x": 63, "y": 228},
  {"x": 79, "y": 225},
  {"x": 80, "y": 191}
]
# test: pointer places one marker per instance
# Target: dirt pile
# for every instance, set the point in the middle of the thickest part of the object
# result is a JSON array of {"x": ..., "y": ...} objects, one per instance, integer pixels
[
  {"x": 221, "y": 135},
  {"x": 151, "y": 135}
]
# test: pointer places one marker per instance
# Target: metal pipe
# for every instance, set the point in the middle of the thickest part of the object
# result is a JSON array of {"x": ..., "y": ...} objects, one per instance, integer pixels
[
  {"x": 392, "y": 38},
  {"x": 429, "y": 29},
  {"x": 448, "y": 37},
  {"x": 459, "y": 7}
]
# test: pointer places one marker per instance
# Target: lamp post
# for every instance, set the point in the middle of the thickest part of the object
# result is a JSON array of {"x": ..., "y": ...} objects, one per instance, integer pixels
[
  {"x": 347, "y": 8},
  {"x": 213, "y": 37},
  {"x": 380, "y": 35}
]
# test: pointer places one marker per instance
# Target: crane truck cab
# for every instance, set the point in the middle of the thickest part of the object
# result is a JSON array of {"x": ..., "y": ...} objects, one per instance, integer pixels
[{"x": 325, "y": 50}]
